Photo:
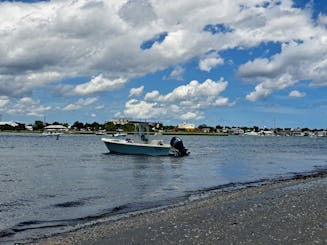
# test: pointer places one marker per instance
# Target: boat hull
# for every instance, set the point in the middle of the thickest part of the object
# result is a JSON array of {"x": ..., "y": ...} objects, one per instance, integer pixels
[{"x": 131, "y": 148}]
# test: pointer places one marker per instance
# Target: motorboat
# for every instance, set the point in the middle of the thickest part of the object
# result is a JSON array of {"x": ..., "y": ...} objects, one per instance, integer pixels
[
  {"x": 252, "y": 133},
  {"x": 119, "y": 135},
  {"x": 141, "y": 145}
]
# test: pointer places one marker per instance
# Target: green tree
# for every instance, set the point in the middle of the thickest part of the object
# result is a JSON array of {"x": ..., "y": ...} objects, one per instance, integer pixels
[
  {"x": 38, "y": 125},
  {"x": 95, "y": 126},
  {"x": 21, "y": 126},
  {"x": 110, "y": 126},
  {"x": 78, "y": 125},
  {"x": 7, "y": 127},
  {"x": 128, "y": 127},
  {"x": 201, "y": 126}
]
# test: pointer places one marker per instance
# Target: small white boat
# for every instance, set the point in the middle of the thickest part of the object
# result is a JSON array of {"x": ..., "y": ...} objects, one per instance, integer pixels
[
  {"x": 252, "y": 133},
  {"x": 143, "y": 146},
  {"x": 128, "y": 146},
  {"x": 100, "y": 132},
  {"x": 119, "y": 135}
]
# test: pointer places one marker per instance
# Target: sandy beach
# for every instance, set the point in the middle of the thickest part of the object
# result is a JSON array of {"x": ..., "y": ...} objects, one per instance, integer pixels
[{"x": 289, "y": 211}]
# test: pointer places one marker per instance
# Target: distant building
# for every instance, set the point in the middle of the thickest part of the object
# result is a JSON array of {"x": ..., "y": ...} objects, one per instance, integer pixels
[
  {"x": 186, "y": 126},
  {"x": 322, "y": 134},
  {"x": 296, "y": 132},
  {"x": 267, "y": 133},
  {"x": 236, "y": 131},
  {"x": 29, "y": 127},
  {"x": 59, "y": 128},
  {"x": 222, "y": 130},
  {"x": 206, "y": 130},
  {"x": 121, "y": 121},
  {"x": 11, "y": 123}
]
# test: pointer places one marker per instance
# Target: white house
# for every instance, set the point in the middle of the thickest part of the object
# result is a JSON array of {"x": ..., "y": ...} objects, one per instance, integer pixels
[
  {"x": 186, "y": 126},
  {"x": 12, "y": 124},
  {"x": 121, "y": 121},
  {"x": 57, "y": 128}
]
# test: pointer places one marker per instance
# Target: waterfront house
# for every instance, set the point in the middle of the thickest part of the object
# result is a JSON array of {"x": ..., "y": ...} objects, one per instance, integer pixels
[
  {"x": 235, "y": 131},
  {"x": 184, "y": 126}
]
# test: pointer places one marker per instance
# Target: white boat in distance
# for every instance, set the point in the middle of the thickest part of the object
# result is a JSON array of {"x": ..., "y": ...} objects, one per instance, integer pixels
[
  {"x": 119, "y": 135},
  {"x": 143, "y": 146}
]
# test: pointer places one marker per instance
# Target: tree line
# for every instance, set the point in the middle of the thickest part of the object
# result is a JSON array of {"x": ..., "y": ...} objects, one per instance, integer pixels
[{"x": 111, "y": 127}]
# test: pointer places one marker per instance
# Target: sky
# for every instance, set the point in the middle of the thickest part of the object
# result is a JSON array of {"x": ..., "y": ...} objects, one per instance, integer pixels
[{"x": 237, "y": 63}]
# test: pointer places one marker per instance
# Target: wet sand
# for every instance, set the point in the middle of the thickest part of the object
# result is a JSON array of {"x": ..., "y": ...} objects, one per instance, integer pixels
[{"x": 284, "y": 212}]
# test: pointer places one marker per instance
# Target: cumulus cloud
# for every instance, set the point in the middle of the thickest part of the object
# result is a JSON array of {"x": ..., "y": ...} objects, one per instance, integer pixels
[
  {"x": 142, "y": 109},
  {"x": 4, "y": 100},
  {"x": 195, "y": 91},
  {"x": 136, "y": 91},
  {"x": 190, "y": 116},
  {"x": 297, "y": 94},
  {"x": 95, "y": 85},
  {"x": 322, "y": 20},
  {"x": 184, "y": 102},
  {"x": 23, "y": 106},
  {"x": 298, "y": 61},
  {"x": 210, "y": 61},
  {"x": 80, "y": 103},
  {"x": 137, "y": 12},
  {"x": 177, "y": 73}
]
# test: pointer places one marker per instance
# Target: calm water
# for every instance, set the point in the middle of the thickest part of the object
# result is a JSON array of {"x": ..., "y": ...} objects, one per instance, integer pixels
[{"x": 49, "y": 185}]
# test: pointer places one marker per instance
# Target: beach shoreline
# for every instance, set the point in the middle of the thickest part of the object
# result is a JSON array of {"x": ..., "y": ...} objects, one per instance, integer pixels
[{"x": 284, "y": 211}]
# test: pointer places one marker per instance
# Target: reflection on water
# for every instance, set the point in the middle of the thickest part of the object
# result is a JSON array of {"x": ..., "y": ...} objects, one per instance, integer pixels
[{"x": 50, "y": 183}]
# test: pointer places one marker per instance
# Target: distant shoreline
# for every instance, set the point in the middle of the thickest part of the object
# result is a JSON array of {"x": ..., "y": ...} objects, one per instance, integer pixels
[{"x": 113, "y": 132}]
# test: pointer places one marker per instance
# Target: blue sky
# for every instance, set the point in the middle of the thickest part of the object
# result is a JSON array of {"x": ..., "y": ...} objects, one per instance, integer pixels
[{"x": 236, "y": 63}]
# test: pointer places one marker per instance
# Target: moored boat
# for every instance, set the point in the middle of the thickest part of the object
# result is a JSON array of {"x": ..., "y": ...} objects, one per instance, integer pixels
[{"x": 141, "y": 145}]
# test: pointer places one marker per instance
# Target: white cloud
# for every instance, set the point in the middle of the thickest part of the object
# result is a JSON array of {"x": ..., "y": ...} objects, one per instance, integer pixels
[
  {"x": 4, "y": 100},
  {"x": 195, "y": 91},
  {"x": 27, "y": 100},
  {"x": 223, "y": 101},
  {"x": 152, "y": 95},
  {"x": 136, "y": 91},
  {"x": 260, "y": 93},
  {"x": 297, "y": 94},
  {"x": 177, "y": 73},
  {"x": 24, "y": 106},
  {"x": 95, "y": 85},
  {"x": 99, "y": 107},
  {"x": 210, "y": 61},
  {"x": 137, "y": 12},
  {"x": 142, "y": 109},
  {"x": 184, "y": 102},
  {"x": 190, "y": 115},
  {"x": 322, "y": 20},
  {"x": 79, "y": 104},
  {"x": 298, "y": 61}
]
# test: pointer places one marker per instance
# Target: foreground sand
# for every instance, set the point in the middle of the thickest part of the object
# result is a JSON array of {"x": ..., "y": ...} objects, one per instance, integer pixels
[{"x": 284, "y": 212}]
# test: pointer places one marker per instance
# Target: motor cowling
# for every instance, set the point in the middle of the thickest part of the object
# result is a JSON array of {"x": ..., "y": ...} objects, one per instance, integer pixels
[{"x": 178, "y": 145}]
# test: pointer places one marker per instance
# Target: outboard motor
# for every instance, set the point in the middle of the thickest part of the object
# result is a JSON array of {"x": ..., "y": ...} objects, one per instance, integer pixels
[{"x": 178, "y": 146}]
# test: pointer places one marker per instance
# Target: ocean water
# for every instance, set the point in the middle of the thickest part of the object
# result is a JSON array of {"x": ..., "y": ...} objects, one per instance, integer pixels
[{"x": 49, "y": 185}]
